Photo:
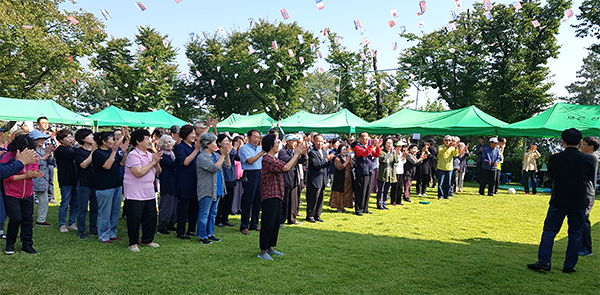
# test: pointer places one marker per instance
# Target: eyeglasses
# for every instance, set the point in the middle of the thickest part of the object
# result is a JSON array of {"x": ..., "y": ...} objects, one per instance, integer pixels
[{"x": 447, "y": 139}]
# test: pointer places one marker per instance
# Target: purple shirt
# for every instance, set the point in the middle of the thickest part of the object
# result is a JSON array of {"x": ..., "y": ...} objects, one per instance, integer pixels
[{"x": 138, "y": 188}]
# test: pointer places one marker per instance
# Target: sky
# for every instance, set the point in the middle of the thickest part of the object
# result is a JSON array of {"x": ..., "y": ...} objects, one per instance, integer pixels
[{"x": 177, "y": 20}]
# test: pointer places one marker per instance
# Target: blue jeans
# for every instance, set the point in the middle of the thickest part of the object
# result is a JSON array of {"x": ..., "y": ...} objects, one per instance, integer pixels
[
  {"x": 84, "y": 195},
  {"x": 109, "y": 209},
  {"x": 206, "y": 217},
  {"x": 444, "y": 178},
  {"x": 552, "y": 224},
  {"x": 68, "y": 198}
]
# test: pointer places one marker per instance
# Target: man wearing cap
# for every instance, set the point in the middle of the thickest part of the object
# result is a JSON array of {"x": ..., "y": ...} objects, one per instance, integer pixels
[
  {"x": 43, "y": 125},
  {"x": 40, "y": 184},
  {"x": 489, "y": 163},
  {"x": 291, "y": 180}
]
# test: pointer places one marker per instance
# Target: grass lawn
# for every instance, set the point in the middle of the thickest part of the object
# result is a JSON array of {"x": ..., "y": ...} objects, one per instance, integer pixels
[{"x": 465, "y": 245}]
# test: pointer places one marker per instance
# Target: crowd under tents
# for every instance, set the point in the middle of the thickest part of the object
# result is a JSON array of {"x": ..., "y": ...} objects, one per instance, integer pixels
[{"x": 12, "y": 109}]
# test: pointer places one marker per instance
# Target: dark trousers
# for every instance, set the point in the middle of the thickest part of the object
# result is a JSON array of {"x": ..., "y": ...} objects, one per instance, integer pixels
[
  {"x": 497, "y": 180},
  {"x": 314, "y": 200},
  {"x": 224, "y": 207},
  {"x": 444, "y": 178},
  {"x": 434, "y": 178},
  {"x": 144, "y": 213},
  {"x": 290, "y": 204},
  {"x": 586, "y": 235},
  {"x": 270, "y": 223},
  {"x": 251, "y": 199},
  {"x": 487, "y": 178},
  {"x": 422, "y": 183},
  {"x": 397, "y": 190},
  {"x": 362, "y": 193},
  {"x": 20, "y": 213},
  {"x": 187, "y": 212},
  {"x": 382, "y": 192},
  {"x": 552, "y": 224},
  {"x": 479, "y": 168},
  {"x": 407, "y": 184},
  {"x": 167, "y": 211},
  {"x": 87, "y": 195},
  {"x": 529, "y": 175}
]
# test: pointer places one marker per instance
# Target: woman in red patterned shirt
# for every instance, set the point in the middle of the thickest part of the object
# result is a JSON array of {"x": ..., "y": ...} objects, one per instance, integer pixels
[{"x": 271, "y": 188}]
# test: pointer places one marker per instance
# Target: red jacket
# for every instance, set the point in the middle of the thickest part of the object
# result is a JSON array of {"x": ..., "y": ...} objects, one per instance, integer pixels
[{"x": 20, "y": 189}]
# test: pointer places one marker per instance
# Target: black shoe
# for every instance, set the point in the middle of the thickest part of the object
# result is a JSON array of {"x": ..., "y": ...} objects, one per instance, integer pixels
[
  {"x": 539, "y": 265},
  {"x": 205, "y": 241},
  {"x": 171, "y": 228},
  {"x": 359, "y": 214},
  {"x": 311, "y": 220},
  {"x": 213, "y": 238},
  {"x": 163, "y": 231},
  {"x": 569, "y": 269},
  {"x": 84, "y": 236},
  {"x": 184, "y": 237},
  {"x": 10, "y": 249},
  {"x": 380, "y": 208},
  {"x": 220, "y": 225},
  {"x": 385, "y": 207},
  {"x": 319, "y": 219},
  {"x": 228, "y": 224},
  {"x": 407, "y": 200},
  {"x": 29, "y": 249},
  {"x": 95, "y": 233},
  {"x": 369, "y": 212}
]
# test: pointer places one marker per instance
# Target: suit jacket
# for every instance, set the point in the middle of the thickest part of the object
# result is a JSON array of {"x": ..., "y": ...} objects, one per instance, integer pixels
[
  {"x": 570, "y": 172},
  {"x": 317, "y": 167}
]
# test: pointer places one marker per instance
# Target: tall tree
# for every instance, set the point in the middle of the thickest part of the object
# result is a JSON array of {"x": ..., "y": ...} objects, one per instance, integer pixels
[
  {"x": 318, "y": 93},
  {"x": 590, "y": 22},
  {"x": 40, "y": 45},
  {"x": 497, "y": 64},
  {"x": 588, "y": 90}
]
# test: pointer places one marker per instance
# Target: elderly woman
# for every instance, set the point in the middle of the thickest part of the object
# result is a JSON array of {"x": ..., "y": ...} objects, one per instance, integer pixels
[
  {"x": 463, "y": 153},
  {"x": 230, "y": 175},
  {"x": 187, "y": 206},
  {"x": 386, "y": 175},
  {"x": 141, "y": 169},
  {"x": 167, "y": 208},
  {"x": 341, "y": 189},
  {"x": 211, "y": 184},
  {"x": 272, "y": 191}
]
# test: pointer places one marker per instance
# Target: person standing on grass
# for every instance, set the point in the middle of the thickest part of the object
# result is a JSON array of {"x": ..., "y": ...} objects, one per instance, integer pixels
[
  {"x": 479, "y": 153},
  {"x": 463, "y": 153},
  {"x": 424, "y": 171},
  {"x": 18, "y": 193},
  {"x": 433, "y": 160},
  {"x": 341, "y": 188},
  {"x": 272, "y": 191},
  {"x": 108, "y": 183},
  {"x": 40, "y": 184},
  {"x": 366, "y": 152},
  {"x": 570, "y": 172},
  {"x": 530, "y": 169},
  {"x": 455, "y": 164},
  {"x": 498, "y": 174},
  {"x": 141, "y": 168},
  {"x": 43, "y": 125},
  {"x": 490, "y": 158},
  {"x": 251, "y": 158},
  {"x": 67, "y": 180},
  {"x": 386, "y": 175},
  {"x": 85, "y": 192},
  {"x": 229, "y": 173},
  {"x": 167, "y": 208},
  {"x": 410, "y": 169},
  {"x": 445, "y": 166},
  {"x": 318, "y": 164},
  {"x": 291, "y": 180},
  {"x": 398, "y": 189},
  {"x": 589, "y": 146}
]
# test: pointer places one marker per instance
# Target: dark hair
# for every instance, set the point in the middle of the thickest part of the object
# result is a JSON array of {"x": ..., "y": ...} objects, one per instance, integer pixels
[
  {"x": 341, "y": 146},
  {"x": 100, "y": 137},
  {"x": 403, "y": 147},
  {"x": 317, "y": 135},
  {"x": 61, "y": 134},
  {"x": 138, "y": 136},
  {"x": 361, "y": 133},
  {"x": 412, "y": 145},
  {"x": 252, "y": 131},
  {"x": 593, "y": 141},
  {"x": 273, "y": 131},
  {"x": 81, "y": 134},
  {"x": 20, "y": 143},
  {"x": 117, "y": 129},
  {"x": 385, "y": 139},
  {"x": 40, "y": 118},
  {"x": 185, "y": 131},
  {"x": 502, "y": 139},
  {"x": 268, "y": 141},
  {"x": 221, "y": 137},
  {"x": 159, "y": 132},
  {"x": 431, "y": 141},
  {"x": 239, "y": 137},
  {"x": 571, "y": 136}
]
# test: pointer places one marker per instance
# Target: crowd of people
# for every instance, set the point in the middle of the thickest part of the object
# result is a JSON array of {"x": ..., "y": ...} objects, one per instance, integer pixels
[{"x": 203, "y": 177}]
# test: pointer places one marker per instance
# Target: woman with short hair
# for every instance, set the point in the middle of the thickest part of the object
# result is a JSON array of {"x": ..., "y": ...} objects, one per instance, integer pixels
[
  {"x": 185, "y": 156},
  {"x": 230, "y": 174},
  {"x": 211, "y": 184},
  {"x": 167, "y": 208},
  {"x": 342, "y": 194},
  {"x": 85, "y": 192}
]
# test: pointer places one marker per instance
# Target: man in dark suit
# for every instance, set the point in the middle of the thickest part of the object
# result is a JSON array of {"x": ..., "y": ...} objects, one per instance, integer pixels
[
  {"x": 366, "y": 151},
  {"x": 318, "y": 163},
  {"x": 570, "y": 171}
]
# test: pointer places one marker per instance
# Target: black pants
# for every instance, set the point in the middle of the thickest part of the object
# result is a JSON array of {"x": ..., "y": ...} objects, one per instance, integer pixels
[
  {"x": 270, "y": 223},
  {"x": 422, "y": 182},
  {"x": 362, "y": 193},
  {"x": 167, "y": 213},
  {"x": 187, "y": 212},
  {"x": 586, "y": 236},
  {"x": 529, "y": 175},
  {"x": 397, "y": 190},
  {"x": 290, "y": 204},
  {"x": 487, "y": 178},
  {"x": 434, "y": 176},
  {"x": 314, "y": 200},
  {"x": 20, "y": 213},
  {"x": 144, "y": 213},
  {"x": 478, "y": 175},
  {"x": 224, "y": 207},
  {"x": 251, "y": 199}
]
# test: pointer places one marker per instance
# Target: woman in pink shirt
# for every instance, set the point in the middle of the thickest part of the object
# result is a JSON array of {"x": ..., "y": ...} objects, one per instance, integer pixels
[{"x": 141, "y": 168}]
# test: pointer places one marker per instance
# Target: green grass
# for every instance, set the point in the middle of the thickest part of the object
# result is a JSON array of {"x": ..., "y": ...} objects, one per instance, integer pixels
[{"x": 469, "y": 244}]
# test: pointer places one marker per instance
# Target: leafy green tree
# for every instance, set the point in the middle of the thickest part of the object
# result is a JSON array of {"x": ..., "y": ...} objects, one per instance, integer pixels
[
  {"x": 40, "y": 47},
  {"x": 588, "y": 90},
  {"x": 434, "y": 105},
  {"x": 497, "y": 64},
  {"x": 321, "y": 84},
  {"x": 590, "y": 22}
]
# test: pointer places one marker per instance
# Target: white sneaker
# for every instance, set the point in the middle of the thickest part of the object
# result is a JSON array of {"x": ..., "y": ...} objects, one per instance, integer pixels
[
  {"x": 63, "y": 229},
  {"x": 153, "y": 245},
  {"x": 72, "y": 227},
  {"x": 424, "y": 195},
  {"x": 419, "y": 195},
  {"x": 134, "y": 248}
]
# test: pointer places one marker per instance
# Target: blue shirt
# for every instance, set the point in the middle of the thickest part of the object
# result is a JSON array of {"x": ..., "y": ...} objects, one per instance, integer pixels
[
  {"x": 219, "y": 179},
  {"x": 248, "y": 151},
  {"x": 489, "y": 154}
]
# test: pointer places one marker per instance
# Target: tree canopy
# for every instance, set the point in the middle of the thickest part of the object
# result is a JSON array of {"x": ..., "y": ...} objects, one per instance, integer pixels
[
  {"x": 590, "y": 22},
  {"x": 587, "y": 91}
]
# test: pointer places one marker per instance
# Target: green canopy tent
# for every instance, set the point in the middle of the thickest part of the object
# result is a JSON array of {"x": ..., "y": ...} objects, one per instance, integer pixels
[
  {"x": 242, "y": 123},
  {"x": 12, "y": 109},
  {"x": 114, "y": 116},
  {"x": 465, "y": 121},
  {"x": 552, "y": 122},
  {"x": 342, "y": 121}
]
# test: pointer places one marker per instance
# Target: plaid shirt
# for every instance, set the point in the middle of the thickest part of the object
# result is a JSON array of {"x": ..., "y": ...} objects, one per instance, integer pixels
[{"x": 271, "y": 183}]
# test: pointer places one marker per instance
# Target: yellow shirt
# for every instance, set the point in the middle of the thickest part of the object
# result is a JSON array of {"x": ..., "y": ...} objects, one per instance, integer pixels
[{"x": 445, "y": 157}]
